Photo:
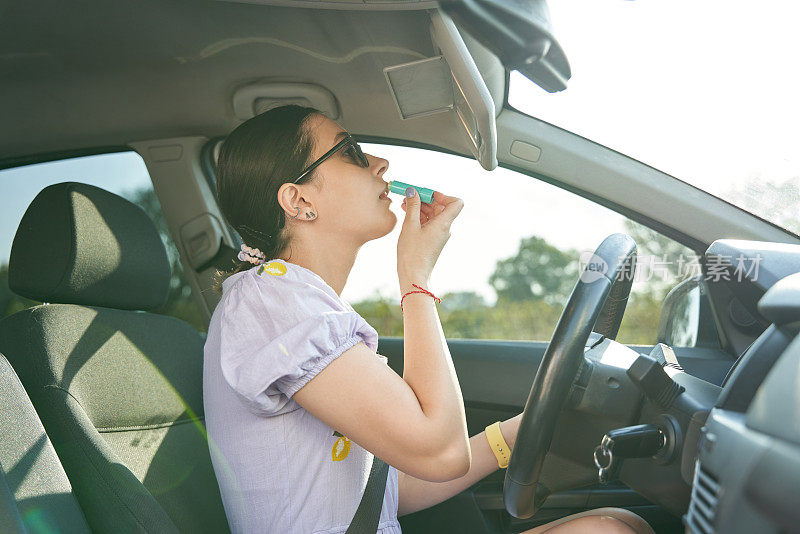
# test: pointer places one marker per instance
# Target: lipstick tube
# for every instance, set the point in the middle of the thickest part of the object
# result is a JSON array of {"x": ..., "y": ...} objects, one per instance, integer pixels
[{"x": 399, "y": 188}]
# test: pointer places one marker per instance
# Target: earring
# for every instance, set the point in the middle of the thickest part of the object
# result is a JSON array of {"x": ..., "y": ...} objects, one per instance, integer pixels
[
  {"x": 298, "y": 213},
  {"x": 310, "y": 215}
]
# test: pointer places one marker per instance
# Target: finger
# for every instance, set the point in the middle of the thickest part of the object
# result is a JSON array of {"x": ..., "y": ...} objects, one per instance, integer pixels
[
  {"x": 441, "y": 201},
  {"x": 438, "y": 207},
  {"x": 441, "y": 198},
  {"x": 453, "y": 208},
  {"x": 412, "y": 219},
  {"x": 426, "y": 211}
]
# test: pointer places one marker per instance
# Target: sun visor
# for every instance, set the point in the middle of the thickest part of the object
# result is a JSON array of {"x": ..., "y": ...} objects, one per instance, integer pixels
[{"x": 449, "y": 82}]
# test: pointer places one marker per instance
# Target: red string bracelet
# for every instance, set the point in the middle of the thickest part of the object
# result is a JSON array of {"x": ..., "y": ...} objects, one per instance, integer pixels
[{"x": 437, "y": 299}]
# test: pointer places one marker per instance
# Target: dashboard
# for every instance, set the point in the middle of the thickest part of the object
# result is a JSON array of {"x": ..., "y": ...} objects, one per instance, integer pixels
[
  {"x": 746, "y": 476},
  {"x": 736, "y": 275},
  {"x": 729, "y": 453}
]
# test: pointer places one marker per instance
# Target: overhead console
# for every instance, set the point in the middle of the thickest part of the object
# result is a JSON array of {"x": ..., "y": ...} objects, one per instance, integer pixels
[
  {"x": 448, "y": 82},
  {"x": 516, "y": 33}
]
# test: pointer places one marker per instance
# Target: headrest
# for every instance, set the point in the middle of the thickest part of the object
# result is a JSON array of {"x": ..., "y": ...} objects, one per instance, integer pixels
[{"x": 79, "y": 244}]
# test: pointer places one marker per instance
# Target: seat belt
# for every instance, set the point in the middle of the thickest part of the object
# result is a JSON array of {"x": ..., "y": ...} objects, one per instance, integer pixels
[{"x": 365, "y": 520}]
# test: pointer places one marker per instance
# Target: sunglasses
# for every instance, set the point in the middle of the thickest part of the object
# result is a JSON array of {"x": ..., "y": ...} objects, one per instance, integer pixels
[{"x": 350, "y": 148}]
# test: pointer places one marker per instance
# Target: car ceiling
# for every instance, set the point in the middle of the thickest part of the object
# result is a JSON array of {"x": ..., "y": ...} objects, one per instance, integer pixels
[{"x": 98, "y": 73}]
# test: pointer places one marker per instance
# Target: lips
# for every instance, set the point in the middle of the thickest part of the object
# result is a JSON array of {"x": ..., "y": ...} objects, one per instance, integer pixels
[{"x": 385, "y": 193}]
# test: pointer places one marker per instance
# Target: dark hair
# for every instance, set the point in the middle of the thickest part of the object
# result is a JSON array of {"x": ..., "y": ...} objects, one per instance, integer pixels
[{"x": 256, "y": 158}]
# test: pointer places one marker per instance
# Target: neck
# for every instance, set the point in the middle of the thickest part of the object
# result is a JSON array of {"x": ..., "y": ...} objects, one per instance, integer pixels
[{"x": 329, "y": 258}]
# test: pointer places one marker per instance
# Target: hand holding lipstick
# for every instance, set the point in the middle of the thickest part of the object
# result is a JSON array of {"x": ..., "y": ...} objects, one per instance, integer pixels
[
  {"x": 437, "y": 205},
  {"x": 425, "y": 231}
]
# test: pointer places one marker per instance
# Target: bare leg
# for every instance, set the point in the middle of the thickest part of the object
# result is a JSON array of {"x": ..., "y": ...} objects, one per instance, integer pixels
[{"x": 600, "y": 521}]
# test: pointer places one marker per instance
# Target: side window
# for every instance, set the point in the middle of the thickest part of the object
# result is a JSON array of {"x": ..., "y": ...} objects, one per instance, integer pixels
[
  {"x": 513, "y": 257},
  {"x": 123, "y": 173}
]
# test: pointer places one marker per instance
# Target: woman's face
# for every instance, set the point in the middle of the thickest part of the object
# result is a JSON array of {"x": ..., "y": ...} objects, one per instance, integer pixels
[{"x": 348, "y": 198}]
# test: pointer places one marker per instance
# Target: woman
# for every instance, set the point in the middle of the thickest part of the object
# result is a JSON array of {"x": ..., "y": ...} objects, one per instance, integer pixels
[{"x": 296, "y": 399}]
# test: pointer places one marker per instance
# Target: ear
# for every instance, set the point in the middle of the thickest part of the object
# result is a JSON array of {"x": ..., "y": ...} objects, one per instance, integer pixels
[{"x": 292, "y": 198}]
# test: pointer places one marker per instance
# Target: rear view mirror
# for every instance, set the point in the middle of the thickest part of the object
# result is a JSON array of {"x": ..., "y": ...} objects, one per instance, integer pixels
[{"x": 518, "y": 32}]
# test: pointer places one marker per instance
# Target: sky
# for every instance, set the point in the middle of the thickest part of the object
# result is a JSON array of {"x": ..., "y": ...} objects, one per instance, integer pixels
[
  {"x": 500, "y": 208},
  {"x": 704, "y": 90},
  {"x": 119, "y": 173}
]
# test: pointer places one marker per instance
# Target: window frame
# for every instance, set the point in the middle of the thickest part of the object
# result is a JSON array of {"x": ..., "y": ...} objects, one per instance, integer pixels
[
  {"x": 49, "y": 157},
  {"x": 695, "y": 245},
  {"x": 508, "y": 106},
  {"x": 686, "y": 240}
]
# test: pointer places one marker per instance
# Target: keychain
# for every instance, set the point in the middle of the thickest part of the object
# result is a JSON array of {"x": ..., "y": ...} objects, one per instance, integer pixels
[
  {"x": 603, "y": 472},
  {"x": 639, "y": 441}
]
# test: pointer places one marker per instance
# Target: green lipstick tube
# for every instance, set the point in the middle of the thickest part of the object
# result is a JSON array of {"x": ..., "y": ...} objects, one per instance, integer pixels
[{"x": 399, "y": 188}]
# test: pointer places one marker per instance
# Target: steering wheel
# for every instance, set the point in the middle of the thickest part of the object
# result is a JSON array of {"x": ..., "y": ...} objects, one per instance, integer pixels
[{"x": 598, "y": 298}]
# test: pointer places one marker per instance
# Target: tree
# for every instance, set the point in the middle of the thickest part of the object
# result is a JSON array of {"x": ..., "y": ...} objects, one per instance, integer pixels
[
  {"x": 382, "y": 313},
  {"x": 657, "y": 252},
  {"x": 640, "y": 322},
  {"x": 539, "y": 271},
  {"x": 461, "y": 300},
  {"x": 179, "y": 302}
]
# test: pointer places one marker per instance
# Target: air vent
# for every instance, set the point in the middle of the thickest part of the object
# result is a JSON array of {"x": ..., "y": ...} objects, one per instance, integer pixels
[{"x": 703, "y": 506}]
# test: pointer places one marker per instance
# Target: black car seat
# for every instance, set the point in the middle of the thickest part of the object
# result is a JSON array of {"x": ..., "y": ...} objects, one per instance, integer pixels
[
  {"x": 35, "y": 494},
  {"x": 119, "y": 390}
]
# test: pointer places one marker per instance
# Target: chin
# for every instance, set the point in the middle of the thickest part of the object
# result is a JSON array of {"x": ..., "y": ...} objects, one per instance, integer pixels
[
  {"x": 386, "y": 226},
  {"x": 393, "y": 218}
]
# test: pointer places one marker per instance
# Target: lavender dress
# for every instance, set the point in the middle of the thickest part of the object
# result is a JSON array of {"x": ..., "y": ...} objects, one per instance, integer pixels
[{"x": 279, "y": 468}]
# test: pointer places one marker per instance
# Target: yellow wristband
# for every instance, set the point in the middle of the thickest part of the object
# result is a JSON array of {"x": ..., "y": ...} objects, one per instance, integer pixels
[{"x": 498, "y": 445}]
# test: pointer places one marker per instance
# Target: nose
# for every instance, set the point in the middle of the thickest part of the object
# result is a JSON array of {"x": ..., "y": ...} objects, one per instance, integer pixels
[{"x": 379, "y": 164}]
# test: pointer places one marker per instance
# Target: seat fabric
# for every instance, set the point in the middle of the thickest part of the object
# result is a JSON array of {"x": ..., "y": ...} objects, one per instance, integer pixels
[
  {"x": 119, "y": 391},
  {"x": 35, "y": 494}
]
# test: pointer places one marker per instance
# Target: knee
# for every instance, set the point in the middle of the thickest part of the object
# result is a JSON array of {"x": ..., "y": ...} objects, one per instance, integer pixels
[
  {"x": 602, "y": 524},
  {"x": 627, "y": 520}
]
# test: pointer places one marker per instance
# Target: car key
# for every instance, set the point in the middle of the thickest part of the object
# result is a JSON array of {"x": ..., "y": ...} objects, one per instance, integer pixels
[{"x": 639, "y": 441}]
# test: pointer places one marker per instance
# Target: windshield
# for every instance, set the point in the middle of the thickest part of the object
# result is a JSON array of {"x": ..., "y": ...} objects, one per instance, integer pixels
[{"x": 708, "y": 92}]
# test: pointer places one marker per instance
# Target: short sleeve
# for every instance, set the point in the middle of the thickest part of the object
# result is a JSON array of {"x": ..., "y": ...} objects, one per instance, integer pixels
[{"x": 277, "y": 335}]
